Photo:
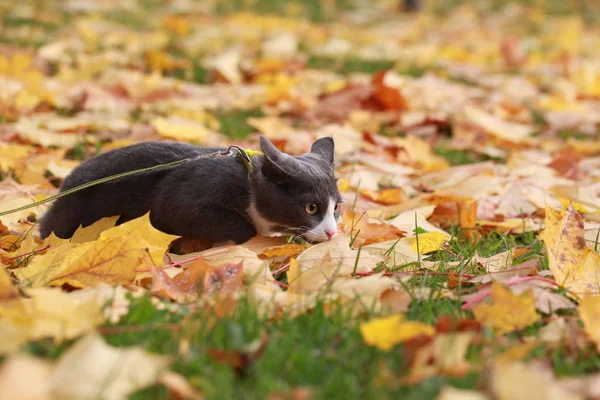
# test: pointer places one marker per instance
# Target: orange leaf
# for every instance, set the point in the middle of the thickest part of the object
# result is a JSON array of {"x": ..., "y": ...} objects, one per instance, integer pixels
[
  {"x": 288, "y": 250},
  {"x": 368, "y": 233},
  {"x": 388, "y": 197},
  {"x": 184, "y": 287},
  {"x": 462, "y": 213},
  {"x": 388, "y": 97},
  {"x": 221, "y": 285}
]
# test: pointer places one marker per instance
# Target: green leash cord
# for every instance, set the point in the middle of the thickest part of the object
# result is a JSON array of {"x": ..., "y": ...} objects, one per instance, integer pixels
[
  {"x": 243, "y": 155},
  {"x": 92, "y": 183}
]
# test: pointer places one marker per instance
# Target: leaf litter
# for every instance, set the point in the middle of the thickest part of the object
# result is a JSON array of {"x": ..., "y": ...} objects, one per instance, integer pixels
[{"x": 511, "y": 237}]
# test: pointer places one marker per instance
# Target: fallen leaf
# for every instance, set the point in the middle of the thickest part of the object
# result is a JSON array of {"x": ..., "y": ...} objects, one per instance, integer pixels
[
  {"x": 507, "y": 311},
  {"x": 364, "y": 232},
  {"x": 572, "y": 263},
  {"x": 451, "y": 393},
  {"x": 287, "y": 250},
  {"x": 93, "y": 231},
  {"x": 25, "y": 377},
  {"x": 387, "y": 332},
  {"x": 387, "y": 96},
  {"x": 7, "y": 290},
  {"x": 589, "y": 311},
  {"x": 47, "y": 312},
  {"x": 428, "y": 242},
  {"x": 92, "y": 369},
  {"x": 525, "y": 381},
  {"x": 348, "y": 260}
]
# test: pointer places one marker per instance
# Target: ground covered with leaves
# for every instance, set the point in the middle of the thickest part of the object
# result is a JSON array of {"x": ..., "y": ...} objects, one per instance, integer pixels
[{"x": 467, "y": 150}]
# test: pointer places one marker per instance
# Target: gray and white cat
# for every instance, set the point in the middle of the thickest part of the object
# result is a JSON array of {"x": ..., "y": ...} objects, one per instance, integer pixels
[{"x": 206, "y": 198}]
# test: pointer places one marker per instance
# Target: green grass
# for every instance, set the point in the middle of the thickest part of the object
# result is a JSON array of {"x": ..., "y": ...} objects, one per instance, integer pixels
[
  {"x": 234, "y": 123},
  {"x": 348, "y": 65}
]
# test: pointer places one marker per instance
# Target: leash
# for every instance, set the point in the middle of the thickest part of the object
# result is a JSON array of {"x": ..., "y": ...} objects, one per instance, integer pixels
[{"x": 242, "y": 154}]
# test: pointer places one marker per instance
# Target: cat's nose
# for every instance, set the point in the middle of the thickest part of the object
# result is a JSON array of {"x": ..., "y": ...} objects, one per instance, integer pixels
[{"x": 330, "y": 234}]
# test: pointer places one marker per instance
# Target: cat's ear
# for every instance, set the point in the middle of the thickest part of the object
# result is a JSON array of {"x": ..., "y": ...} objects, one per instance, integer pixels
[
  {"x": 274, "y": 161},
  {"x": 325, "y": 148}
]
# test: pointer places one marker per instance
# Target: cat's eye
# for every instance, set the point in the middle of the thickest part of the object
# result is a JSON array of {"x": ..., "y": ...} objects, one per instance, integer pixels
[
  {"x": 311, "y": 208},
  {"x": 337, "y": 208}
]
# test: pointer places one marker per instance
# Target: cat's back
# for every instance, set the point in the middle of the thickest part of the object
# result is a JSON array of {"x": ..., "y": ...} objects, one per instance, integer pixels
[{"x": 137, "y": 156}]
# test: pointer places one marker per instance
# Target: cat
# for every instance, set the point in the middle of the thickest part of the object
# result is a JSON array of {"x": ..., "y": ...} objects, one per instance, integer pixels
[{"x": 206, "y": 198}]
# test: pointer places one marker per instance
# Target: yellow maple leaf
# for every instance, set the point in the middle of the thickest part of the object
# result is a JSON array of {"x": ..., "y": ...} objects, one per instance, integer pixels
[
  {"x": 507, "y": 311},
  {"x": 112, "y": 259},
  {"x": 589, "y": 312},
  {"x": 12, "y": 156},
  {"x": 387, "y": 332},
  {"x": 428, "y": 242},
  {"x": 573, "y": 264},
  {"x": 93, "y": 231},
  {"x": 47, "y": 312}
]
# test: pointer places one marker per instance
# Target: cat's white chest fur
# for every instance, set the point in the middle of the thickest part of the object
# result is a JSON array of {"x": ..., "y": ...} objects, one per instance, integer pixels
[{"x": 262, "y": 225}]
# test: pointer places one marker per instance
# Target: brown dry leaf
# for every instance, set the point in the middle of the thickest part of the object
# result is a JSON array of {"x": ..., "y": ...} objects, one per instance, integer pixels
[
  {"x": 357, "y": 224},
  {"x": 336, "y": 106},
  {"x": 573, "y": 264},
  {"x": 222, "y": 287},
  {"x": 498, "y": 262},
  {"x": 362, "y": 294},
  {"x": 461, "y": 212},
  {"x": 183, "y": 288},
  {"x": 395, "y": 301},
  {"x": 507, "y": 311},
  {"x": 93, "y": 369},
  {"x": 566, "y": 163}
]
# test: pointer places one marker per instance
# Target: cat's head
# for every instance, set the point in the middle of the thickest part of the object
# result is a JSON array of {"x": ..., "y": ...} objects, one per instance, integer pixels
[{"x": 296, "y": 195}]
